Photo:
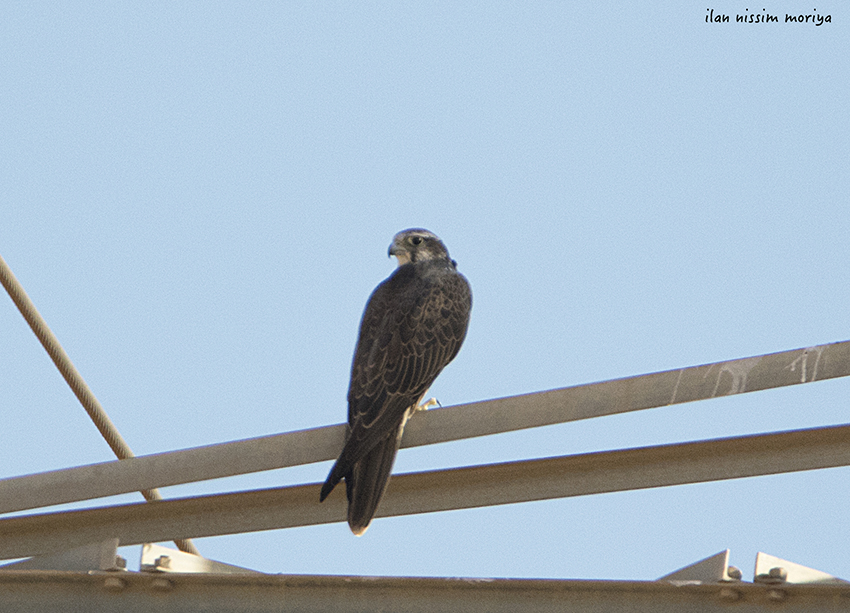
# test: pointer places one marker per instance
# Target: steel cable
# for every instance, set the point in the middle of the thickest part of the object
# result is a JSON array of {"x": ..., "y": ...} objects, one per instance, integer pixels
[{"x": 75, "y": 380}]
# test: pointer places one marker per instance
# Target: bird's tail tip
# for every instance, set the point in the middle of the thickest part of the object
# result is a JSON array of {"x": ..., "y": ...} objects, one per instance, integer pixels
[
  {"x": 327, "y": 488},
  {"x": 358, "y": 529},
  {"x": 334, "y": 477}
]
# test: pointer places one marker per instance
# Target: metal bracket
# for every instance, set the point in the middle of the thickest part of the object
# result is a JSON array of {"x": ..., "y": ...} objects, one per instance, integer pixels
[
  {"x": 156, "y": 558},
  {"x": 97, "y": 556},
  {"x": 769, "y": 570},
  {"x": 712, "y": 569}
]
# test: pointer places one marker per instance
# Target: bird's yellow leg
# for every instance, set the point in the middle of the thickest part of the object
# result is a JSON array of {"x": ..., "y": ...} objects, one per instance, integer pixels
[{"x": 430, "y": 404}]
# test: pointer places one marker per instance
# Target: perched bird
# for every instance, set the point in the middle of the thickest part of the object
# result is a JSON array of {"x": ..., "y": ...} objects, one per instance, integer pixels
[{"x": 413, "y": 325}]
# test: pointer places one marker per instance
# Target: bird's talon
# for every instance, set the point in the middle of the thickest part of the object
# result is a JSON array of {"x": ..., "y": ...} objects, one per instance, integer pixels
[{"x": 430, "y": 404}]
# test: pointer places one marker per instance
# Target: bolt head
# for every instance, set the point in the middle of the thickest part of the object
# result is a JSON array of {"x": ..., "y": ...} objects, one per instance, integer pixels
[
  {"x": 162, "y": 585},
  {"x": 114, "y": 584},
  {"x": 728, "y": 594},
  {"x": 779, "y": 573},
  {"x": 776, "y": 595}
]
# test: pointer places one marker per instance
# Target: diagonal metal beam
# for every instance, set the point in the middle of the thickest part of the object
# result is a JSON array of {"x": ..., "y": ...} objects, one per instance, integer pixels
[
  {"x": 442, "y": 490},
  {"x": 436, "y": 426}
]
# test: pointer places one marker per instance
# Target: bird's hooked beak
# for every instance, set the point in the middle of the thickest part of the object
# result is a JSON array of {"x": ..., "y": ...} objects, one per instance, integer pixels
[{"x": 399, "y": 252}]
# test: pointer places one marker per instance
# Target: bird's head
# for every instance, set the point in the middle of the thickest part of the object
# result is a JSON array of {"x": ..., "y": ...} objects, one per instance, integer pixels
[{"x": 417, "y": 245}]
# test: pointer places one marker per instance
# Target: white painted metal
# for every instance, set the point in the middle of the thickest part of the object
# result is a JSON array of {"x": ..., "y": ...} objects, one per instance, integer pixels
[
  {"x": 156, "y": 558},
  {"x": 708, "y": 570},
  {"x": 790, "y": 572},
  {"x": 96, "y": 556}
]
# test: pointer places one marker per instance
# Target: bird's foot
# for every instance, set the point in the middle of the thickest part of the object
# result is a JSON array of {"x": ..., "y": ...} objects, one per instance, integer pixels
[{"x": 430, "y": 404}]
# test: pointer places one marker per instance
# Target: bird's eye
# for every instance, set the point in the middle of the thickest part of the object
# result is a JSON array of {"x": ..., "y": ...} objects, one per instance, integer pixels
[{"x": 416, "y": 240}]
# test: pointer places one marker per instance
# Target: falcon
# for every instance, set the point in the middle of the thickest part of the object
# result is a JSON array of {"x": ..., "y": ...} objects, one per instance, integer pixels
[{"x": 413, "y": 325}]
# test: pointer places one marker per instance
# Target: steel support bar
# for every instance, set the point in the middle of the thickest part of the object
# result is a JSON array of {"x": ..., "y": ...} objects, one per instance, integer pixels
[
  {"x": 435, "y": 426},
  {"x": 442, "y": 490},
  {"x": 34, "y": 592}
]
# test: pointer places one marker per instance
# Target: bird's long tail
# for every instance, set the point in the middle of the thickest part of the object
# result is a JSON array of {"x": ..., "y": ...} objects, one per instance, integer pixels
[{"x": 368, "y": 479}]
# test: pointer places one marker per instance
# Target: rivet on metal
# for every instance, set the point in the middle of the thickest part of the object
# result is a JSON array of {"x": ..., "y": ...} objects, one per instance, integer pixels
[
  {"x": 729, "y": 595},
  {"x": 162, "y": 585},
  {"x": 114, "y": 584},
  {"x": 776, "y": 595}
]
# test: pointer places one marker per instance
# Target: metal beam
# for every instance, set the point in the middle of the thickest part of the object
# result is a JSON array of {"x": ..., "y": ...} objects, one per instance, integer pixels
[
  {"x": 442, "y": 490},
  {"x": 95, "y": 556},
  {"x": 435, "y": 426},
  {"x": 34, "y": 592}
]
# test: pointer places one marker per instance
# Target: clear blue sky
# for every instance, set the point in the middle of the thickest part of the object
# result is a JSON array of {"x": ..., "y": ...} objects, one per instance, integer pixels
[{"x": 199, "y": 199}]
